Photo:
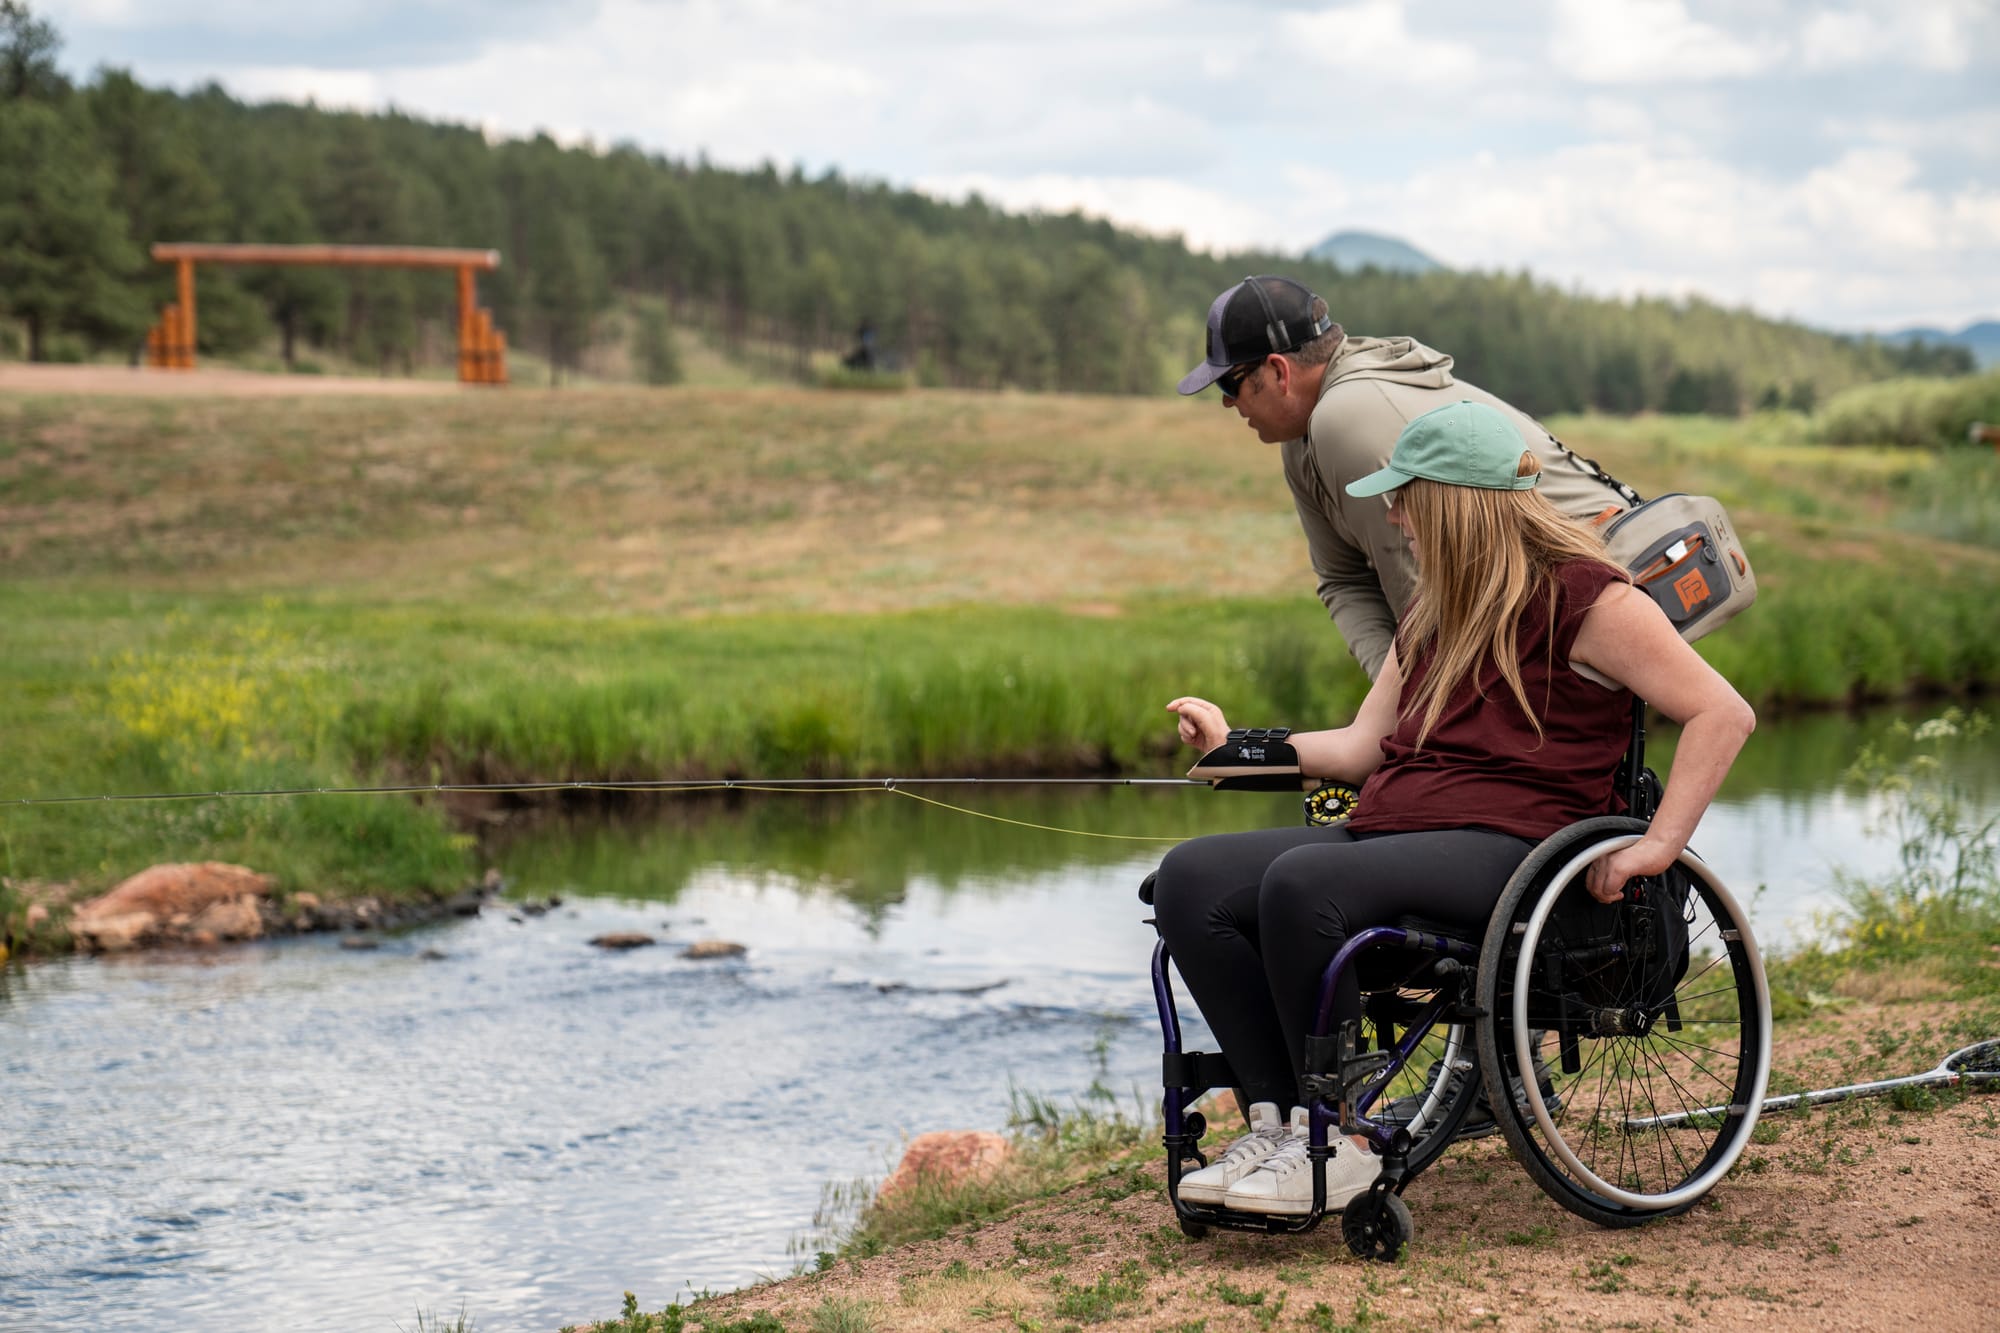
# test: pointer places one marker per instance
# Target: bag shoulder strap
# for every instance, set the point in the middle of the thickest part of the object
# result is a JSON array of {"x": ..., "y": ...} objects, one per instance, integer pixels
[{"x": 1590, "y": 465}]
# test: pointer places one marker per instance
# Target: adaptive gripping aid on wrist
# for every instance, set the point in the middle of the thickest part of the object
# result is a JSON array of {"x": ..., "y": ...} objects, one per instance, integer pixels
[
  {"x": 1261, "y": 759},
  {"x": 1251, "y": 759}
]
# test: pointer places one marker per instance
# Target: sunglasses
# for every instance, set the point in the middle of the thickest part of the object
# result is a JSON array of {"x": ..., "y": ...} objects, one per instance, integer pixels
[{"x": 1232, "y": 383}]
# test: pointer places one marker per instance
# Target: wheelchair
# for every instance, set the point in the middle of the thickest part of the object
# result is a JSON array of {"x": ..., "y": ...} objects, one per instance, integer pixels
[{"x": 1654, "y": 1012}]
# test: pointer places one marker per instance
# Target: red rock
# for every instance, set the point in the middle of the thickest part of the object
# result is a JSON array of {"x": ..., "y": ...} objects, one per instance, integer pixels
[
  {"x": 172, "y": 890},
  {"x": 180, "y": 896},
  {"x": 237, "y": 919},
  {"x": 714, "y": 949},
  {"x": 947, "y": 1158},
  {"x": 622, "y": 939},
  {"x": 115, "y": 934}
]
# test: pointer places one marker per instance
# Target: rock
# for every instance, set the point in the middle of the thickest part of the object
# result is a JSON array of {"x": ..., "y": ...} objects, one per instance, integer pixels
[
  {"x": 171, "y": 899},
  {"x": 714, "y": 949},
  {"x": 359, "y": 942},
  {"x": 465, "y": 902},
  {"x": 622, "y": 939},
  {"x": 116, "y": 934},
  {"x": 945, "y": 1159},
  {"x": 305, "y": 902},
  {"x": 237, "y": 919},
  {"x": 35, "y": 916},
  {"x": 170, "y": 890},
  {"x": 433, "y": 955}
]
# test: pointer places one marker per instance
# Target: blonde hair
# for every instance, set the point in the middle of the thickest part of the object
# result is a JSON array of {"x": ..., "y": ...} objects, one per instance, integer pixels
[{"x": 1486, "y": 554}]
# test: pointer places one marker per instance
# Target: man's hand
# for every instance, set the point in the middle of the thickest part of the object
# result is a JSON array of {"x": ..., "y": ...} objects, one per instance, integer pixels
[{"x": 1201, "y": 722}]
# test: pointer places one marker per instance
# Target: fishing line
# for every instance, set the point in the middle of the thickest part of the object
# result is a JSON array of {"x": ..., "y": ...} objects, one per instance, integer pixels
[{"x": 770, "y": 786}]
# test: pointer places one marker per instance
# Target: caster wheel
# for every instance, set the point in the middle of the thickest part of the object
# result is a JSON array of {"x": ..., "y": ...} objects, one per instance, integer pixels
[
  {"x": 1377, "y": 1225},
  {"x": 1193, "y": 1230},
  {"x": 1195, "y": 1125}
]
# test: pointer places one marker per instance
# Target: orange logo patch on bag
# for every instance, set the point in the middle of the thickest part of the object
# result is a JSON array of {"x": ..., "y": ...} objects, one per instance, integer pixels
[{"x": 1693, "y": 589}]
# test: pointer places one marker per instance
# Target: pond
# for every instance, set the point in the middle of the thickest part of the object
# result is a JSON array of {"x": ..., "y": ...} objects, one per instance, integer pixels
[{"x": 492, "y": 1115}]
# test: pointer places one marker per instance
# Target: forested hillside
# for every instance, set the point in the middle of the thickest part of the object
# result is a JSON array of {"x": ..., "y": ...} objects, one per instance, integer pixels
[{"x": 767, "y": 261}]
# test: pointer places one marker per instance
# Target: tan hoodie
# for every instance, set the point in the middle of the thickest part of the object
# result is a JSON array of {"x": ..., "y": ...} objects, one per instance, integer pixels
[{"x": 1370, "y": 390}]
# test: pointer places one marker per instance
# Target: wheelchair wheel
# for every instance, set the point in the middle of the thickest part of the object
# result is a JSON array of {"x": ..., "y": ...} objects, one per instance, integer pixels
[
  {"x": 1660, "y": 1020},
  {"x": 1431, "y": 1094}
]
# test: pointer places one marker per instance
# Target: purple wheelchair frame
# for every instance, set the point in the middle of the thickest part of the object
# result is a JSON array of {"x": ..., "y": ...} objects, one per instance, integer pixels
[
  {"x": 1342, "y": 1084},
  {"x": 1336, "y": 1102}
]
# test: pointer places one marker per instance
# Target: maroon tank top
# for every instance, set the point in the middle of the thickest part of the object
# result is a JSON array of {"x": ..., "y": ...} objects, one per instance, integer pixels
[{"x": 1482, "y": 765}]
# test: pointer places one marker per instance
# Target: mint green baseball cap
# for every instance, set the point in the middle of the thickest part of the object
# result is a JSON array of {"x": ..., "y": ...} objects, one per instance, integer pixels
[{"x": 1463, "y": 444}]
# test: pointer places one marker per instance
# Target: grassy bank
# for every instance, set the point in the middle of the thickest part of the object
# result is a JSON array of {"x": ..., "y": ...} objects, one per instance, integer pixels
[{"x": 211, "y": 594}]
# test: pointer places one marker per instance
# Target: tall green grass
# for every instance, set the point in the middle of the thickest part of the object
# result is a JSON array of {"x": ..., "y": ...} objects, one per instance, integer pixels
[
  {"x": 139, "y": 694},
  {"x": 1913, "y": 413},
  {"x": 1957, "y": 498}
]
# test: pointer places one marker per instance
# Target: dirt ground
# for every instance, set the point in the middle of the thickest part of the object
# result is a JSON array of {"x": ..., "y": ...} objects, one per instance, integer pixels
[
  {"x": 1856, "y": 1216},
  {"x": 199, "y": 383}
]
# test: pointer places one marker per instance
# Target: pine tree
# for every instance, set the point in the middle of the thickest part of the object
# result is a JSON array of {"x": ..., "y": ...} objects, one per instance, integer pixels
[{"x": 64, "y": 254}]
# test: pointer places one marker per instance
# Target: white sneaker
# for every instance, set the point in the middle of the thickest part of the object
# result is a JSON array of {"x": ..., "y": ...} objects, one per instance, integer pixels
[
  {"x": 1283, "y": 1182},
  {"x": 1268, "y": 1133}
]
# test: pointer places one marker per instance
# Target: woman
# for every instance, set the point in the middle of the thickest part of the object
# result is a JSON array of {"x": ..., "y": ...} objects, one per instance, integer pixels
[{"x": 1481, "y": 737}]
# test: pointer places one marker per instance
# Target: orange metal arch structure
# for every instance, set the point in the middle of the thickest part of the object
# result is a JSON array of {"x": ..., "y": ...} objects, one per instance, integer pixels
[{"x": 482, "y": 349}]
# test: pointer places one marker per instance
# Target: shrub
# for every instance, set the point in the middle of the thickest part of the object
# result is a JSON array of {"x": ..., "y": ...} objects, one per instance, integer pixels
[{"x": 1914, "y": 413}]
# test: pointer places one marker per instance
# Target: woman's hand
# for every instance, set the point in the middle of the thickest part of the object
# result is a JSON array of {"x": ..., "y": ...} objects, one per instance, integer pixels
[
  {"x": 1605, "y": 879},
  {"x": 1201, "y": 722}
]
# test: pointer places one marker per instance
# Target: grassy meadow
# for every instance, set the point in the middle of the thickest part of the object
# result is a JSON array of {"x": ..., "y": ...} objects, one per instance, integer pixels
[{"x": 210, "y": 593}]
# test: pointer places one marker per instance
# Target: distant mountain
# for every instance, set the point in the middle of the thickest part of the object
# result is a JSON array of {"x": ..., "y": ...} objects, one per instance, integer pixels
[
  {"x": 1982, "y": 339},
  {"x": 1352, "y": 250}
]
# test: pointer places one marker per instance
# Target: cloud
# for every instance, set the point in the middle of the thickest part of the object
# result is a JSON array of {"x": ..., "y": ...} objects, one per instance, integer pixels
[
  {"x": 335, "y": 89},
  {"x": 1647, "y": 41},
  {"x": 1372, "y": 40},
  {"x": 1815, "y": 157},
  {"x": 739, "y": 111},
  {"x": 1931, "y": 36},
  {"x": 1206, "y": 219},
  {"x": 367, "y": 35},
  {"x": 1858, "y": 242}
]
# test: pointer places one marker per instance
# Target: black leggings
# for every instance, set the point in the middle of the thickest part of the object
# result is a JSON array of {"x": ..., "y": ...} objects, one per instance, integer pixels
[{"x": 1252, "y": 920}]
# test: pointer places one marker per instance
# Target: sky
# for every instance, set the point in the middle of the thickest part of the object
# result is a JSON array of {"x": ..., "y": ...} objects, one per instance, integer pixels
[{"x": 1834, "y": 163}]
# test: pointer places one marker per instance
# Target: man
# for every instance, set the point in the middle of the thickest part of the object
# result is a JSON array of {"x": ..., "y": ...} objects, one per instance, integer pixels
[{"x": 1335, "y": 404}]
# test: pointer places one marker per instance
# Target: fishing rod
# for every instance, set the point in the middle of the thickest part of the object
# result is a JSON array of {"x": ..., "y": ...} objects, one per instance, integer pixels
[
  {"x": 1977, "y": 1064},
  {"x": 636, "y": 785},
  {"x": 893, "y": 786},
  {"x": 1250, "y": 760}
]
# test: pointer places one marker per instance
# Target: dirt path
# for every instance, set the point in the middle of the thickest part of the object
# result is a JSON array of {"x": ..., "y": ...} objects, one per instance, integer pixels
[
  {"x": 146, "y": 382},
  {"x": 1860, "y": 1216}
]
